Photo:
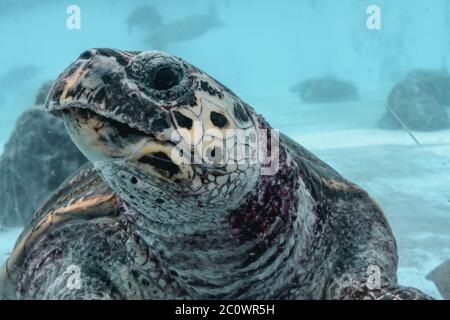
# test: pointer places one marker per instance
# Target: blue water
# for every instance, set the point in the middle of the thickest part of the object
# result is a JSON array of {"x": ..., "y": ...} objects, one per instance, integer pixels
[{"x": 265, "y": 47}]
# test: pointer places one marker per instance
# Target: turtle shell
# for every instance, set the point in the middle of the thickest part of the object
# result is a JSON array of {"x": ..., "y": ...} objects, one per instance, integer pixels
[{"x": 83, "y": 196}]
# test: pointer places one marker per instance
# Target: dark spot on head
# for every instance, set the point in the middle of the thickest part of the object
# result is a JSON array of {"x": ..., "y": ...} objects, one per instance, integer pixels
[
  {"x": 160, "y": 123},
  {"x": 218, "y": 119},
  {"x": 212, "y": 91},
  {"x": 133, "y": 180},
  {"x": 145, "y": 282},
  {"x": 204, "y": 85},
  {"x": 240, "y": 113},
  {"x": 159, "y": 201},
  {"x": 161, "y": 161},
  {"x": 182, "y": 120},
  {"x": 86, "y": 55}
]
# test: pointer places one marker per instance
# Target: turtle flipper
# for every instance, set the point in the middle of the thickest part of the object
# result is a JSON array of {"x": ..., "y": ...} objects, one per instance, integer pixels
[
  {"x": 62, "y": 273},
  {"x": 69, "y": 283},
  {"x": 82, "y": 199},
  {"x": 79, "y": 260},
  {"x": 363, "y": 262}
]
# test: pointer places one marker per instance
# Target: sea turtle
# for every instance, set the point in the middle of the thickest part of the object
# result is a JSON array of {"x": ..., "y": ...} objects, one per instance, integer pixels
[{"x": 141, "y": 223}]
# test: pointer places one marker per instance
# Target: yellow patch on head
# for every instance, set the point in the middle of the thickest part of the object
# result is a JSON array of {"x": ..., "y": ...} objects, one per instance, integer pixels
[{"x": 71, "y": 81}]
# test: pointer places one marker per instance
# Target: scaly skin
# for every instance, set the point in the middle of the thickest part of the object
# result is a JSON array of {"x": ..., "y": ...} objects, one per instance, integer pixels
[{"x": 155, "y": 228}]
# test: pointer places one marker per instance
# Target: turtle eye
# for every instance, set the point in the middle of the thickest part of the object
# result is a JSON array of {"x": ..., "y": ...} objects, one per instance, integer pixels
[
  {"x": 161, "y": 76},
  {"x": 165, "y": 78}
]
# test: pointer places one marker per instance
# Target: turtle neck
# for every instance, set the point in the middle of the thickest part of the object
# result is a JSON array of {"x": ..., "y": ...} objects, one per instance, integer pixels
[{"x": 250, "y": 251}]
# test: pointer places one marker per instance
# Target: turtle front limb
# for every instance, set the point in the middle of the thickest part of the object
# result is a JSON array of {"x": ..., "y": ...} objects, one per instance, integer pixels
[
  {"x": 364, "y": 259},
  {"x": 86, "y": 260},
  {"x": 69, "y": 283}
]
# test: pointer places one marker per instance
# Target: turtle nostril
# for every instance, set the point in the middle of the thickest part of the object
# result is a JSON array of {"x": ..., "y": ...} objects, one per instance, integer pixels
[
  {"x": 165, "y": 78},
  {"x": 86, "y": 55}
]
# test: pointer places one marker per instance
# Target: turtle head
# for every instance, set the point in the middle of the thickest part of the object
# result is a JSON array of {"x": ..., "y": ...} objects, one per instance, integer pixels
[{"x": 156, "y": 126}]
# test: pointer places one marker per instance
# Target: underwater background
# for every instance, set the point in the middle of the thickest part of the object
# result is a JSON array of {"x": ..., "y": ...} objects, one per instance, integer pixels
[{"x": 364, "y": 88}]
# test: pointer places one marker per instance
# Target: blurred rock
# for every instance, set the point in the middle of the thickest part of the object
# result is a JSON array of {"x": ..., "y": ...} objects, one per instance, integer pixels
[
  {"x": 42, "y": 93},
  {"x": 38, "y": 157},
  {"x": 435, "y": 83},
  {"x": 419, "y": 102},
  {"x": 325, "y": 90},
  {"x": 17, "y": 76},
  {"x": 441, "y": 278}
]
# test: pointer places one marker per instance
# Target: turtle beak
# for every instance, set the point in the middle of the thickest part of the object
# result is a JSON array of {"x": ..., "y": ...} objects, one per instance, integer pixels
[
  {"x": 104, "y": 140},
  {"x": 110, "y": 119},
  {"x": 87, "y": 82},
  {"x": 61, "y": 92},
  {"x": 99, "y": 81},
  {"x": 78, "y": 97}
]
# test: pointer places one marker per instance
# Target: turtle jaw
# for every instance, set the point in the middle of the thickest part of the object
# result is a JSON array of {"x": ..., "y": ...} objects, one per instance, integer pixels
[
  {"x": 105, "y": 140},
  {"x": 100, "y": 138}
]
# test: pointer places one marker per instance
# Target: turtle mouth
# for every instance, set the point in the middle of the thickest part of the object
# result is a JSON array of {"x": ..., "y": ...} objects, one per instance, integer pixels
[
  {"x": 123, "y": 129},
  {"x": 106, "y": 141},
  {"x": 87, "y": 111},
  {"x": 101, "y": 138}
]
